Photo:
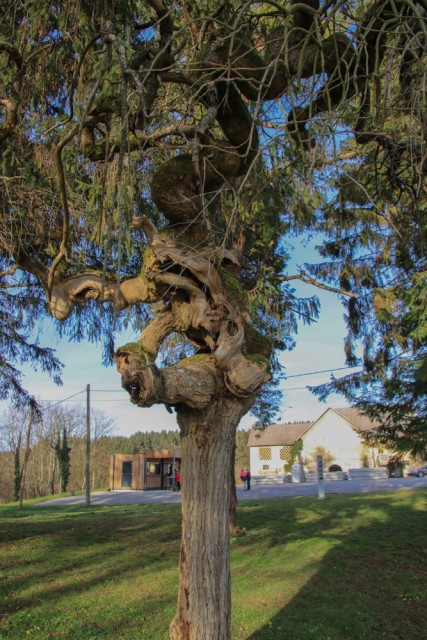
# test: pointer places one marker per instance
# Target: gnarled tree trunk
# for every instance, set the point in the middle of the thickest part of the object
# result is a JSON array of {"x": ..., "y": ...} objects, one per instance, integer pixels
[{"x": 204, "y": 598}]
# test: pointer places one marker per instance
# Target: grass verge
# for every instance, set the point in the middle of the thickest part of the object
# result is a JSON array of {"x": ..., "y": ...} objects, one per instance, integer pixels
[{"x": 350, "y": 567}]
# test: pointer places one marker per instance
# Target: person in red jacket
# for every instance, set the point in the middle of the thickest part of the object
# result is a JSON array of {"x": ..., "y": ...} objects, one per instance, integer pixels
[
  {"x": 243, "y": 478},
  {"x": 178, "y": 479}
]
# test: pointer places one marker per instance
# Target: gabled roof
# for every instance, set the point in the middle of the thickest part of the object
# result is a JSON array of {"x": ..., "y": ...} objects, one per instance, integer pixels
[
  {"x": 358, "y": 419},
  {"x": 277, "y": 435},
  {"x": 287, "y": 434}
]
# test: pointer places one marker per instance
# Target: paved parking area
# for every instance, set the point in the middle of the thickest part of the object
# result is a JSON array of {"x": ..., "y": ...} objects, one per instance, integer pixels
[{"x": 256, "y": 492}]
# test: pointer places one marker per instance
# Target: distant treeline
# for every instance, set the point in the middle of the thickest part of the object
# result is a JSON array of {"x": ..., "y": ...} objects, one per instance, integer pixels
[{"x": 141, "y": 441}]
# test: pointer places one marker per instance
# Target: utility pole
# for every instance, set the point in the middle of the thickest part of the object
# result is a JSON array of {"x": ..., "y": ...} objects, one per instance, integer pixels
[{"x": 88, "y": 445}]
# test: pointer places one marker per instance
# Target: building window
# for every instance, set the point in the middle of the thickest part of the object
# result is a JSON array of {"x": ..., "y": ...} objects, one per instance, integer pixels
[
  {"x": 264, "y": 453},
  {"x": 286, "y": 453},
  {"x": 265, "y": 467},
  {"x": 154, "y": 467}
]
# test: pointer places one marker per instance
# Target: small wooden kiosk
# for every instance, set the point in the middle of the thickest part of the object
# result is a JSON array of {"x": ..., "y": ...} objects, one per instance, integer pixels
[{"x": 153, "y": 469}]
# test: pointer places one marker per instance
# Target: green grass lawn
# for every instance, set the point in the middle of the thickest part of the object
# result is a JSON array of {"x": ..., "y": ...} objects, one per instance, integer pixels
[{"x": 345, "y": 568}]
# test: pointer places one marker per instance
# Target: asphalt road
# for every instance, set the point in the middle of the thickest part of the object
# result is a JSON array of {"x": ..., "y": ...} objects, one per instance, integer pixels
[{"x": 256, "y": 492}]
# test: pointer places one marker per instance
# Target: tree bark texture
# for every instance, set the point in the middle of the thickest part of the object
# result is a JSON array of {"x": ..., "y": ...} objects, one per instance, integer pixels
[
  {"x": 204, "y": 598},
  {"x": 234, "y": 527}
]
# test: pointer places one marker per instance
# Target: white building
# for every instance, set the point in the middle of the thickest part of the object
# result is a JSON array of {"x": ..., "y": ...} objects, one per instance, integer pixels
[{"x": 336, "y": 435}]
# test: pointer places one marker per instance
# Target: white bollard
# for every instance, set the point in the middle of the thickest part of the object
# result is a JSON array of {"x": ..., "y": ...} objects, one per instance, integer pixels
[{"x": 320, "y": 479}]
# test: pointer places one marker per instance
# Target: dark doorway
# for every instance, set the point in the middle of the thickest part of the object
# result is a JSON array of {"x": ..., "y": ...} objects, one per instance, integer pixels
[{"x": 127, "y": 475}]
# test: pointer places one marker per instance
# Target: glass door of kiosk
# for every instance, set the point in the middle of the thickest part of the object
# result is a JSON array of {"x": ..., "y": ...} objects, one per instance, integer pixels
[
  {"x": 127, "y": 475},
  {"x": 168, "y": 475}
]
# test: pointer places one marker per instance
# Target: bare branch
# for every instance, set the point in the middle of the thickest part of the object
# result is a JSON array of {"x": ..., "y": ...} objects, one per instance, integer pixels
[
  {"x": 9, "y": 272},
  {"x": 67, "y": 292},
  {"x": 305, "y": 277}
]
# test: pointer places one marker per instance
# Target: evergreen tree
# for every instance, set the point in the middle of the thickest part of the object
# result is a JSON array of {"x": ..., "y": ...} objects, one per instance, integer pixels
[
  {"x": 155, "y": 156},
  {"x": 376, "y": 248},
  {"x": 20, "y": 310},
  {"x": 62, "y": 451}
]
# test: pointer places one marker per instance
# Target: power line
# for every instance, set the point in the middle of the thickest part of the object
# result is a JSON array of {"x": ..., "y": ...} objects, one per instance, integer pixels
[
  {"x": 311, "y": 373},
  {"x": 109, "y": 391},
  {"x": 296, "y": 389},
  {"x": 65, "y": 399},
  {"x": 118, "y": 400}
]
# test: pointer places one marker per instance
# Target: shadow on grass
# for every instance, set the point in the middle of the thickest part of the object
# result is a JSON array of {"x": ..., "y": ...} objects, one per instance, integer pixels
[
  {"x": 50, "y": 557},
  {"x": 111, "y": 572},
  {"x": 370, "y": 585}
]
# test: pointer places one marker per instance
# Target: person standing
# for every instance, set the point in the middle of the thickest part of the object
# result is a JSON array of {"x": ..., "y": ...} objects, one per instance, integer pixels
[
  {"x": 178, "y": 479},
  {"x": 248, "y": 480},
  {"x": 243, "y": 478}
]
